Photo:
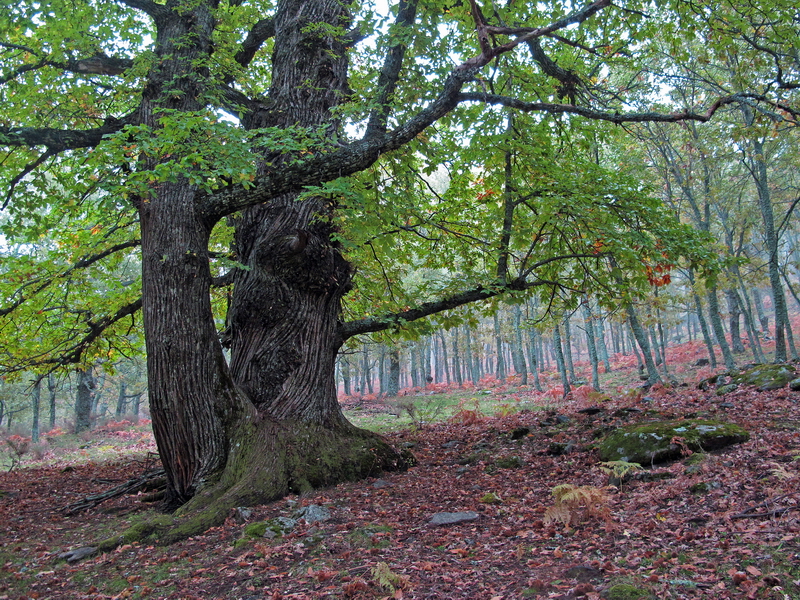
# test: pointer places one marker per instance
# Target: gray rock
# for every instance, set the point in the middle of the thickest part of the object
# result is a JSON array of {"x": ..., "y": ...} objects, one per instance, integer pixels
[
  {"x": 448, "y": 518},
  {"x": 381, "y": 483},
  {"x": 73, "y": 556},
  {"x": 242, "y": 514},
  {"x": 313, "y": 513},
  {"x": 794, "y": 385}
]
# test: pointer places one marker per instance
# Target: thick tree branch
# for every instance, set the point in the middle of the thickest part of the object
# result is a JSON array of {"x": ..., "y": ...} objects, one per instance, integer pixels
[
  {"x": 390, "y": 73},
  {"x": 357, "y": 156},
  {"x": 58, "y": 140},
  {"x": 260, "y": 33},
  {"x": 156, "y": 11},
  {"x": 570, "y": 82},
  {"x": 426, "y": 309}
]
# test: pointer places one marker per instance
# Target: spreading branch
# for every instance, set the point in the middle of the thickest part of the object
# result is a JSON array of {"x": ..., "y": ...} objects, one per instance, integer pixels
[
  {"x": 74, "y": 353},
  {"x": 600, "y": 115},
  {"x": 426, "y": 309}
]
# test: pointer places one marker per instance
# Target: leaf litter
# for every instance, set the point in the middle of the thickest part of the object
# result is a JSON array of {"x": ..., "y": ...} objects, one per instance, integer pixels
[{"x": 726, "y": 526}]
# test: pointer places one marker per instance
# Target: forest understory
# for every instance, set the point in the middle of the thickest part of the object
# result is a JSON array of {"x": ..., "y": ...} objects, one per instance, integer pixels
[{"x": 724, "y": 525}]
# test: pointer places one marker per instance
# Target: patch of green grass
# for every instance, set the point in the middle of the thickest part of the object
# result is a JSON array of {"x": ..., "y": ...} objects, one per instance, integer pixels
[
  {"x": 417, "y": 412},
  {"x": 115, "y": 586}
]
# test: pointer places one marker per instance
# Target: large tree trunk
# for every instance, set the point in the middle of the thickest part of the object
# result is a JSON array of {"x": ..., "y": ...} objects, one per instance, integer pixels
[{"x": 270, "y": 424}]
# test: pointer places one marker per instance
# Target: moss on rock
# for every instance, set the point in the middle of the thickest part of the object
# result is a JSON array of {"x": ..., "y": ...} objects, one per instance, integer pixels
[
  {"x": 653, "y": 442},
  {"x": 767, "y": 377}
]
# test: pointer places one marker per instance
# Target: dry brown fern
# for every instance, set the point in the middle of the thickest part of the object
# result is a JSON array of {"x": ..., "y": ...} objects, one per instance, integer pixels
[{"x": 575, "y": 504}]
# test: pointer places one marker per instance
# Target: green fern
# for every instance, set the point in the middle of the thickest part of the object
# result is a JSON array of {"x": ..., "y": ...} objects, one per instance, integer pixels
[{"x": 388, "y": 579}]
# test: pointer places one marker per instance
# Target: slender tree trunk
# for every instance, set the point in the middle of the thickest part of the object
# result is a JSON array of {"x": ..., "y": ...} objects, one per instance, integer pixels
[
  {"x": 568, "y": 350},
  {"x": 763, "y": 318},
  {"x": 459, "y": 378},
  {"x": 641, "y": 338},
  {"x": 590, "y": 342},
  {"x": 758, "y": 169},
  {"x": 415, "y": 379},
  {"x": 518, "y": 354},
  {"x": 601, "y": 343},
  {"x": 121, "y": 401},
  {"x": 444, "y": 357},
  {"x": 344, "y": 369},
  {"x": 51, "y": 389},
  {"x": 735, "y": 314},
  {"x": 36, "y": 400},
  {"x": 500, "y": 373},
  {"x": 559, "y": 356},
  {"x": 393, "y": 385},
  {"x": 533, "y": 357},
  {"x": 83, "y": 400},
  {"x": 716, "y": 325}
]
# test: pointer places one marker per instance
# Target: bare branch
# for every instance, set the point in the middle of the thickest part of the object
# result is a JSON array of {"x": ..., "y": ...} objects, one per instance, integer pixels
[
  {"x": 43, "y": 283},
  {"x": 600, "y": 115},
  {"x": 21, "y": 175}
]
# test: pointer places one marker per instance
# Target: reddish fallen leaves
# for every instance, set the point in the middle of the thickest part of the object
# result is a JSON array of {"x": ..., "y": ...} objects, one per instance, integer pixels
[{"x": 664, "y": 538}]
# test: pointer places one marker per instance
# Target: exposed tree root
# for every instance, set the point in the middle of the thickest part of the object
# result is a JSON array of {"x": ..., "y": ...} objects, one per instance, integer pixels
[{"x": 276, "y": 460}]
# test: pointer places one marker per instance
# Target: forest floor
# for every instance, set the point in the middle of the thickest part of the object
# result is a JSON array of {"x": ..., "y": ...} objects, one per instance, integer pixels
[{"x": 727, "y": 528}]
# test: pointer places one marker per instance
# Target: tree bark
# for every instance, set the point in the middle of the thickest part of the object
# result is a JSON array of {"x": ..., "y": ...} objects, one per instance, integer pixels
[
  {"x": 36, "y": 400},
  {"x": 393, "y": 385},
  {"x": 716, "y": 324},
  {"x": 500, "y": 372},
  {"x": 559, "y": 354},
  {"x": 83, "y": 400},
  {"x": 590, "y": 342},
  {"x": 51, "y": 388},
  {"x": 641, "y": 338}
]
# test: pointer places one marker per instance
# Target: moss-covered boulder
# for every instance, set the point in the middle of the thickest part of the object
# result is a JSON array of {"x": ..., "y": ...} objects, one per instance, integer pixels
[
  {"x": 648, "y": 443},
  {"x": 766, "y": 377}
]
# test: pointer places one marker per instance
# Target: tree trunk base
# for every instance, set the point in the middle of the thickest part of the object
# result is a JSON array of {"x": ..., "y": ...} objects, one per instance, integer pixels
[{"x": 269, "y": 461}]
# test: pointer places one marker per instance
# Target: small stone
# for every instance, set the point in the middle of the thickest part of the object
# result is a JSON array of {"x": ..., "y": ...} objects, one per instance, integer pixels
[
  {"x": 453, "y": 518},
  {"x": 242, "y": 514},
  {"x": 451, "y": 444},
  {"x": 562, "y": 419},
  {"x": 73, "y": 556},
  {"x": 591, "y": 410},
  {"x": 726, "y": 405},
  {"x": 381, "y": 483}
]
